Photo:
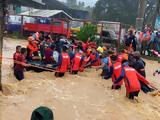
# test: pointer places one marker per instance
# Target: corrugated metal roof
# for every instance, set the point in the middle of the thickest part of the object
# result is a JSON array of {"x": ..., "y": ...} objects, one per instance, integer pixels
[
  {"x": 39, "y": 1},
  {"x": 44, "y": 13}
]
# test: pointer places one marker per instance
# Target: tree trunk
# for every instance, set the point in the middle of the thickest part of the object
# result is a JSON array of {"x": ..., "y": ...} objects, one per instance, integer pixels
[
  {"x": 141, "y": 12},
  {"x": 2, "y": 5},
  {"x": 157, "y": 12}
]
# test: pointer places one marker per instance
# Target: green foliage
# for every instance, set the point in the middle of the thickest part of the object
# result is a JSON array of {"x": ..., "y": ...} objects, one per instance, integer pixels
[
  {"x": 88, "y": 31},
  {"x": 97, "y": 40},
  {"x": 121, "y": 47},
  {"x": 79, "y": 5},
  {"x": 124, "y": 11},
  {"x": 16, "y": 35}
]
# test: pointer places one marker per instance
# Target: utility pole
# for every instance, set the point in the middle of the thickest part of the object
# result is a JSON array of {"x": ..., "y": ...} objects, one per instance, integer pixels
[
  {"x": 2, "y": 19},
  {"x": 140, "y": 17}
]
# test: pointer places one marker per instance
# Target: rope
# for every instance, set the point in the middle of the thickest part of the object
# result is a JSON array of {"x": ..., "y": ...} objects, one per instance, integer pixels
[
  {"x": 156, "y": 53},
  {"x": 26, "y": 64}
]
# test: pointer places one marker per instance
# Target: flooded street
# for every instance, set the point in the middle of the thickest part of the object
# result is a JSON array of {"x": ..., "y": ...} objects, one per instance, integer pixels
[{"x": 82, "y": 97}]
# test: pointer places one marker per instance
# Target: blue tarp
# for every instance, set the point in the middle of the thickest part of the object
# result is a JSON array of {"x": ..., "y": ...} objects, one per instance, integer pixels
[{"x": 13, "y": 27}]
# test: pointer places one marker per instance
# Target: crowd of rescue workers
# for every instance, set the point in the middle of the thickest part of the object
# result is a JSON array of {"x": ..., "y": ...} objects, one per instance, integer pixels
[{"x": 43, "y": 53}]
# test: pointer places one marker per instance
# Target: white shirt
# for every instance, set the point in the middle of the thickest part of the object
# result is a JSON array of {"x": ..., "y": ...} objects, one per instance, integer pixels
[{"x": 55, "y": 56}]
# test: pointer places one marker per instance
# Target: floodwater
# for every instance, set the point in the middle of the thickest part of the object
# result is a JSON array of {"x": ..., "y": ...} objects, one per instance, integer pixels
[{"x": 82, "y": 97}]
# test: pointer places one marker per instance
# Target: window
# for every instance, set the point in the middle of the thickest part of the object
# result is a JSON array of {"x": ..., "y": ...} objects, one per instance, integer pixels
[
  {"x": 43, "y": 21},
  {"x": 57, "y": 23},
  {"x": 106, "y": 34}
]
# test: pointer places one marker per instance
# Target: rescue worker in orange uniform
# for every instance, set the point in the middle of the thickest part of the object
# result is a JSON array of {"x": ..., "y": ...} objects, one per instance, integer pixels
[
  {"x": 94, "y": 58},
  {"x": 105, "y": 65},
  {"x": 63, "y": 63},
  {"x": 32, "y": 49},
  {"x": 16, "y": 54},
  {"x": 85, "y": 59},
  {"x": 116, "y": 69},
  {"x": 76, "y": 62},
  {"x": 38, "y": 36},
  {"x": 131, "y": 79},
  {"x": 122, "y": 56},
  {"x": 20, "y": 65}
]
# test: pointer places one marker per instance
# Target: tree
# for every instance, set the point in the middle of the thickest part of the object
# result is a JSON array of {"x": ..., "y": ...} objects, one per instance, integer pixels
[
  {"x": 90, "y": 10},
  {"x": 72, "y": 4},
  {"x": 87, "y": 31},
  {"x": 2, "y": 14},
  {"x": 152, "y": 11},
  {"x": 81, "y": 5},
  {"x": 116, "y": 10}
]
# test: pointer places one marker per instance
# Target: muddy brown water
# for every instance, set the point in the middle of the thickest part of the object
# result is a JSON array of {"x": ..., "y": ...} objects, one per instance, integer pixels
[{"x": 82, "y": 97}]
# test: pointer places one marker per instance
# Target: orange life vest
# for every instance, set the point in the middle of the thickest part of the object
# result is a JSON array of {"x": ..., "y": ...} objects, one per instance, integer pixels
[
  {"x": 117, "y": 68},
  {"x": 82, "y": 66},
  {"x": 76, "y": 62},
  {"x": 124, "y": 56},
  {"x": 120, "y": 58},
  {"x": 109, "y": 62},
  {"x": 65, "y": 63},
  {"x": 131, "y": 80},
  {"x": 33, "y": 48},
  {"x": 147, "y": 38},
  {"x": 93, "y": 57}
]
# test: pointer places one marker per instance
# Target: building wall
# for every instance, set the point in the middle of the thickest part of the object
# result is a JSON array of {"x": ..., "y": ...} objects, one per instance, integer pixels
[
  {"x": 15, "y": 10},
  {"x": 10, "y": 9},
  {"x": 39, "y": 1}
]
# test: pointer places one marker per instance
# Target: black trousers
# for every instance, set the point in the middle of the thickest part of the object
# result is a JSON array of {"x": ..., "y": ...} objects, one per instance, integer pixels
[
  {"x": 19, "y": 75},
  {"x": 145, "y": 88},
  {"x": 133, "y": 94},
  {"x": 75, "y": 72},
  {"x": 58, "y": 74},
  {"x": 116, "y": 87}
]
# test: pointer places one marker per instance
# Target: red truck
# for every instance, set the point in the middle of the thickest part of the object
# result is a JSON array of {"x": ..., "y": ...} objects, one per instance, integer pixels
[{"x": 55, "y": 27}]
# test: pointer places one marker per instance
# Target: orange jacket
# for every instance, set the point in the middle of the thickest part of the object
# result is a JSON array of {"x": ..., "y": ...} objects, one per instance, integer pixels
[
  {"x": 65, "y": 63},
  {"x": 93, "y": 57},
  {"x": 82, "y": 66},
  {"x": 131, "y": 80},
  {"x": 117, "y": 68},
  {"x": 76, "y": 62},
  {"x": 33, "y": 48},
  {"x": 147, "y": 37}
]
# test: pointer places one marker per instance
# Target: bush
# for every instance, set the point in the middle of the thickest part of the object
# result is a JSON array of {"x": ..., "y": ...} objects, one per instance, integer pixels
[
  {"x": 16, "y": 35},
  {"x": 121, "y": 47},
  {"x": 88, "y": 31}
]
